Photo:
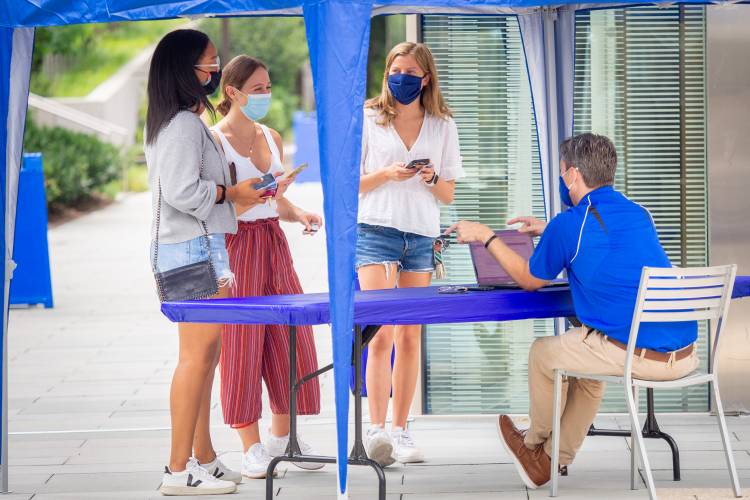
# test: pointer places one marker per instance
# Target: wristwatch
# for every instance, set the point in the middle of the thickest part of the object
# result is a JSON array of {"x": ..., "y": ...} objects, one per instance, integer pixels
[
  {"x": 223, "y": 194},
  {"x": 432, "y": 181}
]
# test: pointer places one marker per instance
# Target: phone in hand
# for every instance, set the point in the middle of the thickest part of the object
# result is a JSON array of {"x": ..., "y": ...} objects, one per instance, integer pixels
[
  {"x": 267, "y": 182},
  {"x": 292, "y": 174},
  {"x": 313, "y": 229},
  {"x": 418, "y": 164}
]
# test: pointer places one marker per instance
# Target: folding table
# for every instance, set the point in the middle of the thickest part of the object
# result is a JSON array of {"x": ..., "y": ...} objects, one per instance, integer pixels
[{"x": 375, "y": 308}]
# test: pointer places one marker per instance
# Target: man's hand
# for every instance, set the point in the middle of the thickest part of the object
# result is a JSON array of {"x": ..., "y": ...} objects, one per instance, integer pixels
[
  {"x": 530, "y": 225},
  {"x": 469, "y": 232}
]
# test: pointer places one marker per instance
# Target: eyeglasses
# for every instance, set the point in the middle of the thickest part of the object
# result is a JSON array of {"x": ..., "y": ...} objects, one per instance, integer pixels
[{"x": 216, "y": 65}]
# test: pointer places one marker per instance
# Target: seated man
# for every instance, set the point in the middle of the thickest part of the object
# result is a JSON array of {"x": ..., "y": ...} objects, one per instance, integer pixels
[{"x": 603, "y": 242}]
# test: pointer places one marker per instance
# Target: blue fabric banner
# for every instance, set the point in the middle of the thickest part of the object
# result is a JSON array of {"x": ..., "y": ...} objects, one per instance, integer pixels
[
  {"x": 338, "y": 34},
  {"x": 15, "y": 13}
]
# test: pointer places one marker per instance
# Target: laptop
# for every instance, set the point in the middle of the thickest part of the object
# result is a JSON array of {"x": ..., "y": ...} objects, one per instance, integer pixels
[{"x": 489, "y": 272}]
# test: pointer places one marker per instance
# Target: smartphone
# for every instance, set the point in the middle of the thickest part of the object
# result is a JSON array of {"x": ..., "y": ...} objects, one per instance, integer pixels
[
  {"x": 418, "y": 164},
  {"x": 292, "y": 174},
  {"x": 313, "y": 229},
  {"x": 268, "y": 182}
]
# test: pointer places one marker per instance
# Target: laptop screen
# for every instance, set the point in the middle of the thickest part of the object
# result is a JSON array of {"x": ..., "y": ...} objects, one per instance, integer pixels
[{"x": 487, "y": 269}]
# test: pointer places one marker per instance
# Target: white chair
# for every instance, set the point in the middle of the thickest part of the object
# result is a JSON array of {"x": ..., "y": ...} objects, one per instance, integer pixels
[{"x": 665, "y": 295}]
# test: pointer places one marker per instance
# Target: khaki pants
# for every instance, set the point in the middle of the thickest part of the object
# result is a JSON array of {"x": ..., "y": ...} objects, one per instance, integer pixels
[{"x": 576, "y": 350}]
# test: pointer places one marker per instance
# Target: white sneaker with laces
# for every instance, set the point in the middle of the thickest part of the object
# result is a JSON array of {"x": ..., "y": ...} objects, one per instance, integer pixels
[
  {"x": 220, "y": 471},
  {"x": 194, "y": 480},
  {"x": 255, "y": 462},
  {"x": 379, "y": 446},
  {"x": 276, "y": 447},
  {"x": 404, "y": 448}
]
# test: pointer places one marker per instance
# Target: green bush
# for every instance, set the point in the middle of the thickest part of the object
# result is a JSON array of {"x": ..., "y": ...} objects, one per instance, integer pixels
[{"x": 76, "y": 165}]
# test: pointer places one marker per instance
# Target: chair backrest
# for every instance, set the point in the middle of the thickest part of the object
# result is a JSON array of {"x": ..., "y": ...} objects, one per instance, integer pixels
[{"x": 682, "y": 294}]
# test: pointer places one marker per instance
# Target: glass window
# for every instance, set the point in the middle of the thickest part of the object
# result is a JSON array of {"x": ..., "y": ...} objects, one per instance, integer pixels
[
  {"x": 640, "y": 79},
  {"x": 481, "y": 367}
]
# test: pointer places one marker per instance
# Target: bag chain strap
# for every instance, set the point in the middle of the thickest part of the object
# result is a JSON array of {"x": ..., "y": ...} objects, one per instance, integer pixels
[{"x": 158, "y": 221}]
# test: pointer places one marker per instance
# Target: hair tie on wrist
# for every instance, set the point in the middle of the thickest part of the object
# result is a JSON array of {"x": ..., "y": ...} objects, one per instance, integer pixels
[{"x": 487, "y": 243}]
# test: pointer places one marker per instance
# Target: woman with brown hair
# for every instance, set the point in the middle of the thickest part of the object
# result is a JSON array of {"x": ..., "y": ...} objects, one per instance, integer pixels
[
  {"x": 260, "y": 258},
  {"x": 399, "y": 219}
]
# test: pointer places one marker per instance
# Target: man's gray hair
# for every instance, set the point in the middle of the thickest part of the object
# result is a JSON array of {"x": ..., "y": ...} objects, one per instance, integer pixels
[{"x": 593, "y": 155}]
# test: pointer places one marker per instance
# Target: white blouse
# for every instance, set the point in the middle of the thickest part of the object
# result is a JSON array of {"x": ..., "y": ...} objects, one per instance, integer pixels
[{"x": 408, "y": 206}]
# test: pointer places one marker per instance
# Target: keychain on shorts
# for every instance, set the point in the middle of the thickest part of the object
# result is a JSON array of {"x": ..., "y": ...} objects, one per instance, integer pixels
[{"x": 440, "y": 244}]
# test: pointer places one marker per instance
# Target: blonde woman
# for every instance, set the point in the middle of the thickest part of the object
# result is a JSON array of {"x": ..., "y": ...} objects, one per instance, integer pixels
[{"x": 399, "y": 219}]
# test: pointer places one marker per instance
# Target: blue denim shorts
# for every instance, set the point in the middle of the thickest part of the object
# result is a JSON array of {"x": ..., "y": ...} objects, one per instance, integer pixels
[
  {"x": 174, "y": 255},
  {"x": 386, "y": 245}
]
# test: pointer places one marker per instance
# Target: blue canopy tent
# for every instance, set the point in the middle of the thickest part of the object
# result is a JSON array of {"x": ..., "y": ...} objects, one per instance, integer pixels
[{"x": 338, "y": 38}]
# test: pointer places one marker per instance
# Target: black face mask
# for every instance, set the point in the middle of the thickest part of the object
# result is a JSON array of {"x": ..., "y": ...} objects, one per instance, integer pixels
[{"x": 210, "y": 86}]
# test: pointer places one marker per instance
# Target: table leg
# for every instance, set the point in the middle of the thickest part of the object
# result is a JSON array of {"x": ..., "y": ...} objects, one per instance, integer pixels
[
  {"x": 650, "y": 430},
  {"x": 358, "y": 455}
]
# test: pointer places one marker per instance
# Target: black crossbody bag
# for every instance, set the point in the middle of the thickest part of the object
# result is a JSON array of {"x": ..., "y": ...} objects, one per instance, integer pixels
[{"x": 191, "y": 282}]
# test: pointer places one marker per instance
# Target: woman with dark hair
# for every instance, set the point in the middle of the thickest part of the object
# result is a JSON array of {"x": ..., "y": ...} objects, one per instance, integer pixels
[
  {"x": 259, "y": 255},
  {"x": 191, "y": 196}
]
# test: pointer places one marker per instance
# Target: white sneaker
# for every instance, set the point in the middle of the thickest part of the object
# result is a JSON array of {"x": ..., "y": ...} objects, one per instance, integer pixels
[
  {"x": 255, "y": 462},
  {"x": 276, "y": 446},
  {"x": 221, "y": 471},
  {"x": 379, "y": 446},
  {"x": 194, "y": 480},
  {"x": 404, "y": 449}
]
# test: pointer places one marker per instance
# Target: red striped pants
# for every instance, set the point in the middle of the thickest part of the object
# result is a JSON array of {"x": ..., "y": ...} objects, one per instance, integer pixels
[{"x": 260, "y": 258}]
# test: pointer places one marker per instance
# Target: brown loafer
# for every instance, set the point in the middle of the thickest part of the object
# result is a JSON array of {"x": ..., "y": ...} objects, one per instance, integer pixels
[{"x": 532, "y": 465}]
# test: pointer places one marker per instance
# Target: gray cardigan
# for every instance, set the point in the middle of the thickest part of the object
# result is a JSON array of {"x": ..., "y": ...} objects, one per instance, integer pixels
[{"x": 174, "y": 158}]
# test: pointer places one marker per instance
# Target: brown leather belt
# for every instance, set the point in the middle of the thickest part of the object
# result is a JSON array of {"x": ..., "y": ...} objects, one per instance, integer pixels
[{"x": 656, "y": 355}]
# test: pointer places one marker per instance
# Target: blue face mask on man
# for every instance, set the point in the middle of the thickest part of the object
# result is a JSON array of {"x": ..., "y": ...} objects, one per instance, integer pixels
[
  {"x": 405, "y": 87},
  {"x": 565, "y": 190},
  {"x": 257, "y": 105}
]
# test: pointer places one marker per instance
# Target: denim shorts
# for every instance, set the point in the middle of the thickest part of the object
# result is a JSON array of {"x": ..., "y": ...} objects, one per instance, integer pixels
[
  {"x": 174, "y": 255},
  {"x": 386, "y": 245}
]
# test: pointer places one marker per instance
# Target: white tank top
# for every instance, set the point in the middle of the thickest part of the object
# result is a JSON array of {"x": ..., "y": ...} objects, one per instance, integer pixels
[{"x": 247, "y": 170}]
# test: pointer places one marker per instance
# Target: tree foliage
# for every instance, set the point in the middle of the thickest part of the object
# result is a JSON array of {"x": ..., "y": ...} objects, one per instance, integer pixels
[{"x": 281, "y": 43}]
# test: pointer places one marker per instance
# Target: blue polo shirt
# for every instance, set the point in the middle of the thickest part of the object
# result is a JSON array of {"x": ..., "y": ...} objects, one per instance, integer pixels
[{"x": 604, "y": 242}]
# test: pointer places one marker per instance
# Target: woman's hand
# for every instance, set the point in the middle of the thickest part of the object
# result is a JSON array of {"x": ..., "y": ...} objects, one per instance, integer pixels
[
  {"x": 398, "y": 172},
  {"x": 530, "y": 225},
  {"x": 307, "y": 219},
  {"x": 244, "y": 194},
  {"x": 282, "y": 185},
  {"x": 427, "y": 173}
]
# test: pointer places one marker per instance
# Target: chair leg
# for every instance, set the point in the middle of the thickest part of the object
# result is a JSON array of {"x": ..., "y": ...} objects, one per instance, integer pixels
[
  {"x": 635, "y": 430},
  {"x": 725, "y": 440},
  {"x": 556, "y": 433},
  {"x": 634, "y": 451}
]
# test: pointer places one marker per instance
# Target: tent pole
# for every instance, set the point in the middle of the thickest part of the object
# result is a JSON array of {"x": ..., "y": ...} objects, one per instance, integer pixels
[{"x": 15, "y": 70}]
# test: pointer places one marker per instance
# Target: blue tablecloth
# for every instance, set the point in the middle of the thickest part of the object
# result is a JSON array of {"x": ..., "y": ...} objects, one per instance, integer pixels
[{"x": 406, "y": 306}]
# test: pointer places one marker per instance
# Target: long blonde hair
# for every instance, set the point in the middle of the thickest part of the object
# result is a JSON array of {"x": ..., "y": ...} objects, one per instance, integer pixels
[{"x": 431, "y": 98}]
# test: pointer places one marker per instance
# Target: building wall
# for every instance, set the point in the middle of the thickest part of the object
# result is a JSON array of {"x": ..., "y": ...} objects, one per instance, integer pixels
[{"x": 728, "y": 88}]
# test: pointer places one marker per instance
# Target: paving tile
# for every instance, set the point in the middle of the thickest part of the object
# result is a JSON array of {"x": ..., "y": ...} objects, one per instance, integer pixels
[
  {"x": 102, "y": 483},
  {"x": 695, "y": 494},
  {"x": 469, "y": 495},
  {"x": 108, "y": 356}
]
